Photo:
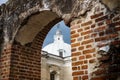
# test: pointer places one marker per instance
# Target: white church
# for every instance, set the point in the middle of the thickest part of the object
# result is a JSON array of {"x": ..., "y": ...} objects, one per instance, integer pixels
[{"x": 56, "y": 60}]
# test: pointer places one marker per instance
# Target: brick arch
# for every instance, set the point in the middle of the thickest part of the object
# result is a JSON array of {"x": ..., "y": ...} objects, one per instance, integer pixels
[
  {"x": 32, "y": 24},
  {"x": 24, "y": 60},
  {"x": 30, "y": 56},
  {"x": 38, "y": 40}
]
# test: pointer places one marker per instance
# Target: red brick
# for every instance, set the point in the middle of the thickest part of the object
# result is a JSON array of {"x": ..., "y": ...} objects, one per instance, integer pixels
[
  {"x": 75, "y": 78},
  {"x": 101, "y": 18},
  {"x": 75, "y": 44},
  {"x": 79, "y": 68},
  {"x": 87, "y": 36},
  {"x": 102, "y": 38},
  {"x": 92, "y": 61},
  {"x": 87, "y": 28},
  {"x": 85, "y": 61},
  {"x": 75, "y": 36},
  {"x": 88, "y": 46},
  {"x": 74, "y": 59},
  {"x": 76, "y": 54},
  {"x": 94, "y": 55},
  {"x": 85, "y": 77},
  {"x": 108, "y": 21},
  {"x": 85, "y": 67},
  {"x": 74, "y": 68},
  {"x": 100, "y": 23},
  {"x": 94, "y": 35},
  {"x": 80, "y": 30},
  {"x": 86, "y": 32},
  {"x": 86, "y": 72},
  {"x": 106, "y": 37},
  {"x": 89, "y": 51},
  {"x": 73, "y": 49},
  {"x": 101, "y": 28},
  {"x": 96, "y": 15},
  {"x": 78, "y": 73},
  {"x": 77, "y": 63},
  {"x": 86, "y": 23},
  {"x": 102, "y": 33},
  {"x": 88, "y": 56},
  {"x": 73, "y": 40},
  {"x": 81, "y": 57},
  {"x": 113, "y": 36},
  {"x": 93, "y": 26},
  {"x": 26, "y": 60},
  {"x": 72, "y": 32},
  {"x": 87, "y": 41},
  {"x": 81, "y": 48}
]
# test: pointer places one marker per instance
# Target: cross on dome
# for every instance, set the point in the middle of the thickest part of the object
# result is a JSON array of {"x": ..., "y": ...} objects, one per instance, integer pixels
[
  {"x": 58, "y": 36},
  {"x": 58, "y": 32}
]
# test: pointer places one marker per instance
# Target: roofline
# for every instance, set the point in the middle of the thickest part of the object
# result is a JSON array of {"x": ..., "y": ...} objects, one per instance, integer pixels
[{"x": 47, "y": 54}]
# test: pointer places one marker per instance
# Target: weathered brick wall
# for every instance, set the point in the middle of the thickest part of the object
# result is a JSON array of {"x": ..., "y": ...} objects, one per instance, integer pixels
[
  {"x": 89, "y": 34},
  {"x": 23, "y": 62},
  {"x": 83, "y": 51},
  {"x": 5, "y": 58},
  {"x": 19, "y": 62}
]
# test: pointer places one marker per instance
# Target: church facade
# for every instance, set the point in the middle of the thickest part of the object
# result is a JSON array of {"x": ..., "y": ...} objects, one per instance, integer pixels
[{"x": 56, "y": 60}]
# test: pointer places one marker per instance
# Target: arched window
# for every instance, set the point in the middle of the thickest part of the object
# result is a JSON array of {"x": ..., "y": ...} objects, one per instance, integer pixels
[
  {"x": 61, "y": 51},
  {"x": 52, "y": 75}
]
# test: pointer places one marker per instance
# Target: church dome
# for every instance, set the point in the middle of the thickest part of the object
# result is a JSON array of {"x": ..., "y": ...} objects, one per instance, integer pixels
[{"x": 58, "y": 47}]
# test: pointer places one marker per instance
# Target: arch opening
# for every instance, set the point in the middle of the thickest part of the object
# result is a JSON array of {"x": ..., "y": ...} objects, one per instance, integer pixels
[
  {"x": 56, "y": 54},
  {"x": 28, "y": 43}
]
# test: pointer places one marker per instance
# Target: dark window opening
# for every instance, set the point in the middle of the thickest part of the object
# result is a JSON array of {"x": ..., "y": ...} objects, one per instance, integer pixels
[
  {"x": 61, "y": 54},
  {"x": 52, "y": 75},
  {"x": 58, "y": 38}
]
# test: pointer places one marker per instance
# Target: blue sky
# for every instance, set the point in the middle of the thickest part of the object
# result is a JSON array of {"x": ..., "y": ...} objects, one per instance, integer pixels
[
  {"x": 3, "y": 1},
  {"x": 65, "y": 32}
]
